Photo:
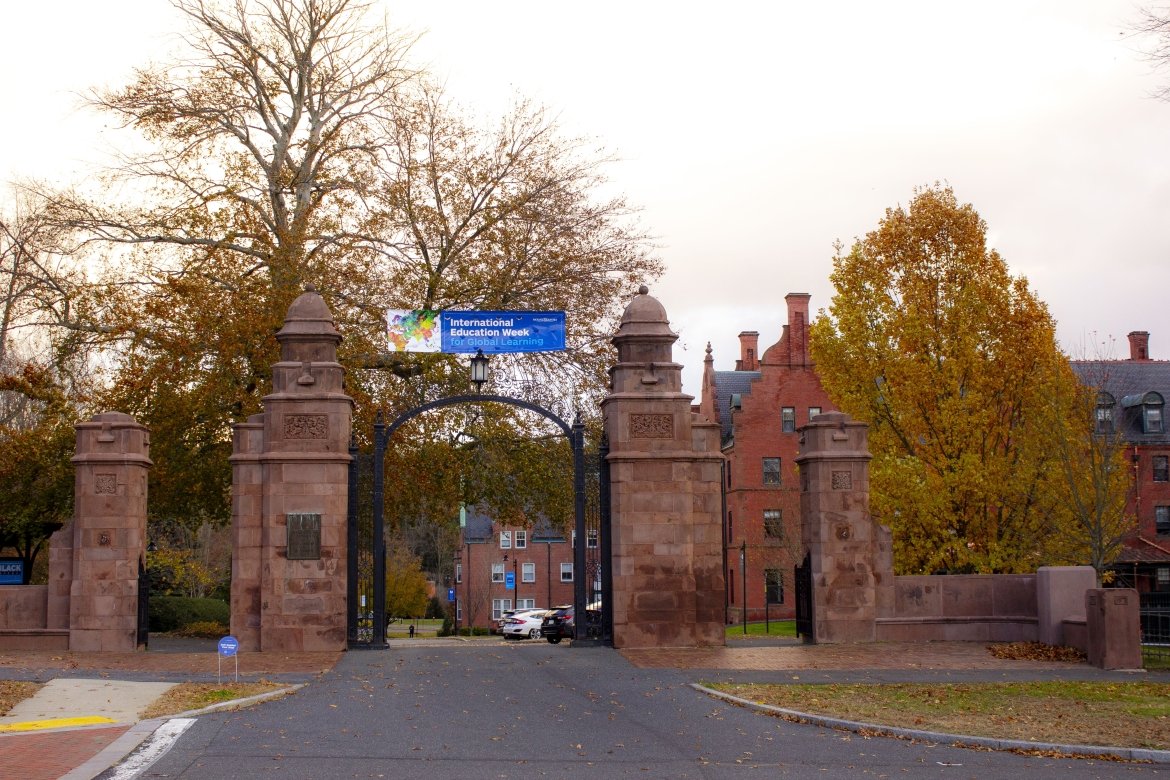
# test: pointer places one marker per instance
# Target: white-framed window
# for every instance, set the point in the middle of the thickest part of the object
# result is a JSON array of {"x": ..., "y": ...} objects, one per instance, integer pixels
[
  {"x": 1163, "y": 579},
  {"x": 1105, "y": 405},
  {"x": 1161, "y": 466},
  {"x": 528, "y": 572},
  {"x": 573, "y": 539},
  {"x": 525, "y": 603},
  {"x": 497, "y": 572},
  {"x": 591, "y": 537},
  {"x": 521, "y": 540},
  {"x": 459, "y": 611},
  {"x": 499, "y": 607},
  {"x": 1162, "y": 520},
  {"x": 771, "y": 467},
  {"x": 813, "y": 411},
  {"x": 788, "y": 419},
  {"x": 459, "y": 572},
  {"x": 566, "y": 572},
  {"x": 505, "y": 540},
  {"x": 774, "y": 523}
]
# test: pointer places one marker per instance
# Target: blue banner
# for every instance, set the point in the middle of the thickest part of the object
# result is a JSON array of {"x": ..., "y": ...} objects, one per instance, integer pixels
[
  {"x": 11, "y": 571},
  {"x": 502, "y": 331},
  {"x": 467, "y": 332}
]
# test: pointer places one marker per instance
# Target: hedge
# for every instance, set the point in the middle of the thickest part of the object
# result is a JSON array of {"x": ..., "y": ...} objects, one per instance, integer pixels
[{"x": 169, "y": 613}]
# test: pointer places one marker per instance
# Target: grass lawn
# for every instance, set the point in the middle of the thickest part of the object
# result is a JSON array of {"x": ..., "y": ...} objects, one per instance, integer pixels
[
  {"x": 1127, "y": 714},
  {"x": 772, "y": 628},
  {"x": 1155, "y": 657},
  {"x": 400, "y": 629}
]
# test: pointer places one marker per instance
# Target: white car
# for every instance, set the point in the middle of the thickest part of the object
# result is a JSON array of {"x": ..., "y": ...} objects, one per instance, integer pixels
[{"x": 524, "y": 624}]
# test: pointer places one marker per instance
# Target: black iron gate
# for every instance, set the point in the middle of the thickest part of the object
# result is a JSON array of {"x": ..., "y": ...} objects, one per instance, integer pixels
[
  {"x": 143, "y": 605},
  {"x": 595, "y": 558},
  {"x": 366, "y": 539},
  {"x": 804, "y": 599}
]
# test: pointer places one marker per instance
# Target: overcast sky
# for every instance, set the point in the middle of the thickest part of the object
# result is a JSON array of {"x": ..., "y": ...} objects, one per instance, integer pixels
[{"x": 755, "y": 134}]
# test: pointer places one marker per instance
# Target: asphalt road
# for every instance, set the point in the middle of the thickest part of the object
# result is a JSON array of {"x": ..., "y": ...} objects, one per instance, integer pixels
[{"x": 533, "y": 710}]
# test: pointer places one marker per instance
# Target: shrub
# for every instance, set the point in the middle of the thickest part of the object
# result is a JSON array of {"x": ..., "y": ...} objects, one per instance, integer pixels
[
  {"x": 169, "y": 613},
  {"x": 203, "y": 629}
]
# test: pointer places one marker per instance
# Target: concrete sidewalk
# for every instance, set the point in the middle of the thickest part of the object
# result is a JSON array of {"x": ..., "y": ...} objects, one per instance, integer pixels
[{"x": 66, "y": 702}]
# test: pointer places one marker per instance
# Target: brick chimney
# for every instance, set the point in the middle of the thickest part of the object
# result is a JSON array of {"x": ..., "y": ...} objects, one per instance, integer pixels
[
  {"x": 749, "y": 351},
  {"x": 797, "y": 328},
  {"x": 1139, "y": 345}
]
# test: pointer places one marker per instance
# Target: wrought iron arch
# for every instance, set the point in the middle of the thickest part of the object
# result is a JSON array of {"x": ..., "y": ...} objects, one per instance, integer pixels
[{"x": 575, "y": 433}]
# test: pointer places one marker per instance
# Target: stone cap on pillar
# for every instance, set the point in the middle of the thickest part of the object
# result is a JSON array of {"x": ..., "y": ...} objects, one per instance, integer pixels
[
  {"x": 111, "y": 436},
  {"x": 644, "y": 333},
  {"x": 834, "y": 435},
  {"x": 308, "y": 333}
]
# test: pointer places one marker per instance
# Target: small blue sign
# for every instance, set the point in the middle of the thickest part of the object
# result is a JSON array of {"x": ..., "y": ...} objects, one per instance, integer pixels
[
  {"x": 510, "y": 580},
  {"x": 229, "y": 645},
  {"x": 450, "y": 594},
  {"x": 11, "y": 571}
]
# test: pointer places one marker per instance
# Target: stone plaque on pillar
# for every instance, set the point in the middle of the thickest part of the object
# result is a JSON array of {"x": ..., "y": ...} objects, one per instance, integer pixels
[{"x": 304, "y": 536}]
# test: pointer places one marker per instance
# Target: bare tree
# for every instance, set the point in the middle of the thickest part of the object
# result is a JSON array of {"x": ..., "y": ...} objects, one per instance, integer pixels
[
  {"x": 263, "y": 140},
  {"x": 1153, "y": 24}
]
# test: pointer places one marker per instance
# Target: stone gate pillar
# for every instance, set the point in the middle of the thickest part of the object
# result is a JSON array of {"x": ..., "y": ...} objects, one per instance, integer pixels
[
  {"x": 838, "y": 532},
  {"x": 665, "y": 484},
  {"x": 108, "y": 536},
  {"x": 290, "y": 488}
]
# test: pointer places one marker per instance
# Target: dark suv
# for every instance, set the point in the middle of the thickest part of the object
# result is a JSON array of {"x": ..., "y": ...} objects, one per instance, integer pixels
[{"x": 557, "y": 625}]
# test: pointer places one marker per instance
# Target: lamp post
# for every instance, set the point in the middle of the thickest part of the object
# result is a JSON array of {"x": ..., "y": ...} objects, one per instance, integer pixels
[
  {"x": 743, "y": 573},
  {"x": 479, "y": 370}
]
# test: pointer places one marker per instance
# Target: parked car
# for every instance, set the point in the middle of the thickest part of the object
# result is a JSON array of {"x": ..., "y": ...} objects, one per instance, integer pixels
[
  {"x": 557, "y": 624},
  {"x": 524, "y": 625},
  {"x": 497, "y": 626}
]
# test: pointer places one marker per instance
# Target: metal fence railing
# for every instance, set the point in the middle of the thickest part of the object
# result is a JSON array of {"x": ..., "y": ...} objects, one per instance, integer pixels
[{"x": 1155, "y": 623}]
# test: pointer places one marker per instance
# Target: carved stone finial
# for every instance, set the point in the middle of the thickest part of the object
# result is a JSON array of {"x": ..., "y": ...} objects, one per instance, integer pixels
[
  {"x": 310, "y": 287},
  {"x": 643, "y": 290}
]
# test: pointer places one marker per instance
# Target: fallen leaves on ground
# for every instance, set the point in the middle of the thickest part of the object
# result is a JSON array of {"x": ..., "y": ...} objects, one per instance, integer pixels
[
  {"x": 185, "y": 697},
  {"x": 1035, "y": 651},
  {"x": 13, "y": 692}
]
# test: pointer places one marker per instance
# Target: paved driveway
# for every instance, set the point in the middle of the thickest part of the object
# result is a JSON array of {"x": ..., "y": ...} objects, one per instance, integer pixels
[{"x": 533, "y": 710}]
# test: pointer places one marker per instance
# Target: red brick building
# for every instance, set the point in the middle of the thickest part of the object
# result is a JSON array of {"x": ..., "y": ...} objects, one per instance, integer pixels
[
  {"x": 539, "y": 559},
  {"x": 761, "y": 406},
  {"x": 1131, "y": 395}
]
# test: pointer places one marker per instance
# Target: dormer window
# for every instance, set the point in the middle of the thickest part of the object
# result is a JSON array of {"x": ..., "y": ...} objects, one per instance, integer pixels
[
  {"x": 1104, "y": 413},
  {"x": 1152, "y": 413},
  {"x": 1148, "y": 408}
]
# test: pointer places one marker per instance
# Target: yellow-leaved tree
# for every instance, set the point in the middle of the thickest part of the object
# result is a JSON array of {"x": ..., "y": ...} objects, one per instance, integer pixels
[{"x": 954, "y": 364}]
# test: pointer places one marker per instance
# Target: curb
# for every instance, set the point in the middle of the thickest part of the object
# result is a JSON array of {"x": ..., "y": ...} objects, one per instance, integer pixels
[
  {"x": 141, "y": 731},
  {"x": 956, "y": 740}
]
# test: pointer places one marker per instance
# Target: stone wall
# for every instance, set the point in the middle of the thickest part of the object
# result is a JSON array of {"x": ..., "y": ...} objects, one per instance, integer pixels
[
  {"x": 23, "y": 606},
  {"x": 962, "y": 607}
]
